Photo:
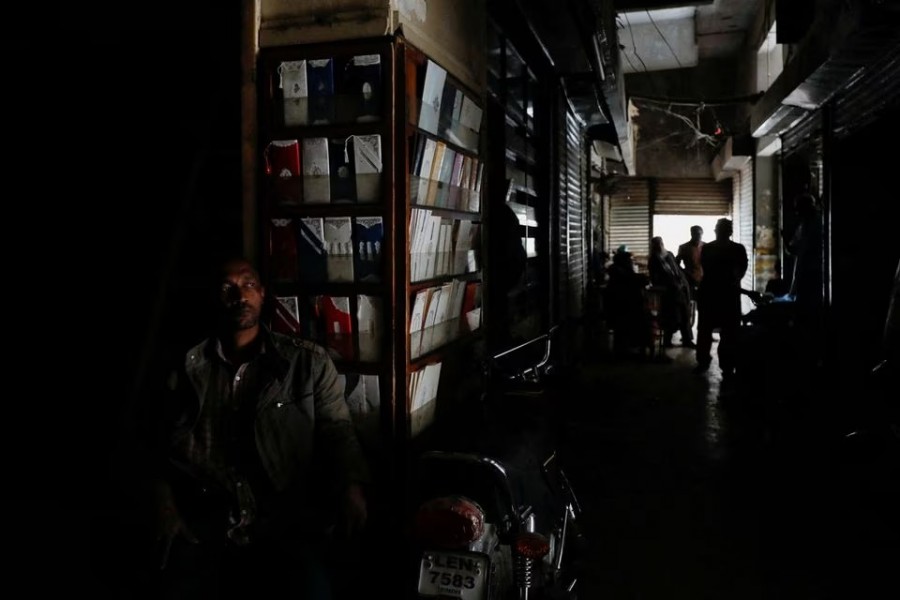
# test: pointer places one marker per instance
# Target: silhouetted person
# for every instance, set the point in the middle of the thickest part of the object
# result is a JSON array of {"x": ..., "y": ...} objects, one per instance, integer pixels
[
  {"x": 601, "y": 258},
  {"x": 676, "y": 298},
  {"x": 510, "y": 259},
  {"x": 625, "y": 304},
  {"x": 777, "y": 286},
  {"x": 805, "y": 245},
  {"x": 724, "y": 263},
  {"x": 255, "y": 460},
  {"x": 688, "y": 257}
]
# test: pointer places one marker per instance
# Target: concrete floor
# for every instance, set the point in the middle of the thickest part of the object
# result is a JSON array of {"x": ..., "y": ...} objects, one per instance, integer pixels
[{"x": 685, "y": 495}]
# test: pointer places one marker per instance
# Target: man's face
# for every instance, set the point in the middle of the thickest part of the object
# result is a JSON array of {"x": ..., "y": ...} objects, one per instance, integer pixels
[
  {"x": 697, "y": 234},
  {"x": 241, "y": 295}
]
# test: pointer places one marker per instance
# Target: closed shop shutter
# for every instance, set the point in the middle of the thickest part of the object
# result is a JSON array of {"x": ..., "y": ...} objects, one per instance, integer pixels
[
  {"x": 692, "y": 197},
  {"x": 799, "y": 136},
  {"x": 562, "y": 210},
  {"x": 571, "y": 275},
  {"x": 604, "y": 206},
  {"x": 629, "y": 217},
  {"x": 874, "y": 91},
  {"x": 575, "y": 194},
  {"x": 743, "y": 223}
]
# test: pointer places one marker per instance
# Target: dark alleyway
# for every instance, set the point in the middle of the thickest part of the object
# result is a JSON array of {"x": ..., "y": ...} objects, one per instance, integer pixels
[{"x": 685, "y": 498}]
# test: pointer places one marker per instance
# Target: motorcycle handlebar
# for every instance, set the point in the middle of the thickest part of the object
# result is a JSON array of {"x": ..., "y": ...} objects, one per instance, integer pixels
[{"x": 547, "y": 338}]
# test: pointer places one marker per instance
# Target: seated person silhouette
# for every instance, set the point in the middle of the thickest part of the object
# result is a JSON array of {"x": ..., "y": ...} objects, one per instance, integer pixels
[
  {"x": 625, "y": 304},
  {"x": 776, "y": 286}
]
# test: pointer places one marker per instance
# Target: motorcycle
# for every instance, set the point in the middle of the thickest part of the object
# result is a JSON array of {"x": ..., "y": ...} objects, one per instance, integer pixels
[{"x": 498, "y": 521}]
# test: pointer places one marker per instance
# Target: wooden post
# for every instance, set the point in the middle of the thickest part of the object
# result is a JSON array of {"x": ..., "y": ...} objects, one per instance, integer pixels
[{"x": 250, "y": 20}]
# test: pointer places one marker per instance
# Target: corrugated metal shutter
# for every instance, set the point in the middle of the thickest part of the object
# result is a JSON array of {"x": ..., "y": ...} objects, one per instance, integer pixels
[
  {"x": 746, "y": 236},
  {"x": 692, "y": 197},
  {"x": 629, "y": 217},
  {"x": 562, "y": 209},
  {"x": 604, "y": 203},
  {"x": 800, "y": 134},
  {"x": 744, "y": 224},
  {"x": 873, "y": 92},
  {"x": 575, "y": 192}
]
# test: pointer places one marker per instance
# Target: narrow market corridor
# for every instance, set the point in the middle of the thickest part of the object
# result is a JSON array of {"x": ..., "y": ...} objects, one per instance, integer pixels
[{"x": 683, "y": 498}]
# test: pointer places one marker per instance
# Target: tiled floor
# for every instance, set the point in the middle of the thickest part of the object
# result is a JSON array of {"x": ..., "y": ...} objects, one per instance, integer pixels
[{"x": 685, "y": 496}]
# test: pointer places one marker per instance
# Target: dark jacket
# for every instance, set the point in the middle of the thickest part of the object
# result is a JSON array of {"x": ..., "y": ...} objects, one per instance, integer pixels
[
  {"x": 300, "y": 410},
  {"x": 724, "y": 265}
]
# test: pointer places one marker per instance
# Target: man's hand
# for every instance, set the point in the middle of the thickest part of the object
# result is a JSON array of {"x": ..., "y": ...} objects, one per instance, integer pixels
[
  {"x": 353, "y": 510},
  {"x": 753, "y": 295},
  {"x": 169, "y": 523}
]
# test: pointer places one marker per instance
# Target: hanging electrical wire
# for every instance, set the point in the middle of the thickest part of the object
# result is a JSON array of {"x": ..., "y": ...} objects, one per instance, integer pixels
[
  {"x": 649, "y": 16},
  {"x": 630, "y": 64},
  {"x": 702, "y": 112},
  {"x": 695, "y": 127},
  {"x": 633, "y": 46},
  {"x": 727, "y": 101},
  {"x": 660, "y": 140}
]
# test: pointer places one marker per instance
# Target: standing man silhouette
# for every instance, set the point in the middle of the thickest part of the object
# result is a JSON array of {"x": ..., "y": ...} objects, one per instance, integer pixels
[
  {"x": 724, "y": 263},
  {"x": 689, "y": 258}
]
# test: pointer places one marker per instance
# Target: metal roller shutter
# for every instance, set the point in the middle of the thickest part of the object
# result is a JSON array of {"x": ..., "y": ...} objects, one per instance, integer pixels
[
  {"x": 571, "y": 275},
  {"x": 575, "y": 192},
  {"x": 873, "y": 92},
  {"x": 629, "y": 217},
  {"x": 744, "y": 224},
  {"x": 747, "y": 221},
  {"x": 800, "y": 134},
  {"x": 692, "y": 197},
  {"x": 562, "y": 209},
  {"x": 604, "y": 207}
]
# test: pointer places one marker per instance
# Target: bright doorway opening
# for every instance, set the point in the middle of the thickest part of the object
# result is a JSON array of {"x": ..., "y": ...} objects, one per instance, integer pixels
[{"x": 676, "y": 229}]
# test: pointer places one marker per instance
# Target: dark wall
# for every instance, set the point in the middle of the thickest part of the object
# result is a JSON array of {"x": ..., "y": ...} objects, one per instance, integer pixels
[
  {"x": 766, "y": 219},
  {"x": 865, "y": 252},
  {"x": 150, "y": 153}
]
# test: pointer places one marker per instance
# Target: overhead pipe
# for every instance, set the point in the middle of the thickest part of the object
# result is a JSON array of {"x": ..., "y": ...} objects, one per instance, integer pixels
[{"x": 590, "y": 35}]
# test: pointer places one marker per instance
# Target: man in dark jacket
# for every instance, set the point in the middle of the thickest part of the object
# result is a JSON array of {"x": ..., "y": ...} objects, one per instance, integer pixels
[
  {"x": 689, "y": 257},
  {"x": 254, "y": 442},
  {"x": 724, "y": 263}
]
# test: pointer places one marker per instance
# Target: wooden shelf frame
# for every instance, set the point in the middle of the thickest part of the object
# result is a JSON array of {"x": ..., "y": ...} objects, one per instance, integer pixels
[{"x": 395, "y": 289}]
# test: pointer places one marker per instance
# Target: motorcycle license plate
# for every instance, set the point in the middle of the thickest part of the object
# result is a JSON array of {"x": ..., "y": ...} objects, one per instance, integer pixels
[{"x": 458, "y": 575}]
